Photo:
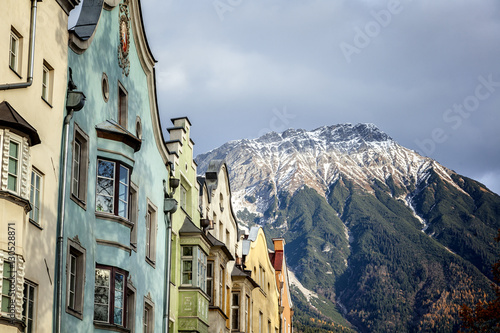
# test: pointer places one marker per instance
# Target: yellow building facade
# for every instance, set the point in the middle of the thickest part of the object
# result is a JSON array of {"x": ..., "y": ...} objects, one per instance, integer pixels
[
  {"x": 265, "y": 316},
  {"x": 33, "y": 81}
]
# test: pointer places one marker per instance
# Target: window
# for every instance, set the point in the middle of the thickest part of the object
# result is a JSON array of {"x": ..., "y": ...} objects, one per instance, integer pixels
[
  {"x": 235, "y": 311},
  {"x": 6, "y": 286},
  {"x": 148, "y": 319},
  {"x": 268, "y": 326},
  {"x": 75, "y": 280},
  {"x": 112, "y": 195},
  {"x": 79, "y": 168},
  {"x": 202, "y": 270},
  {"x": 210, "y": 281},
  {"x": 134, "y": 207},
  {"x": 13, "y": 171},
  {"x": 247, "y": 313},
  {"x": 110, "y": 295},
  {"x": 151, "y": 232},
  {"x": 122, "y": 106},
  {"x": 260, "y": 322},
  {"x": 221, "y": 287},
  {"x": 14, "y": 51},
  {"x": 131, "y": 308},
  {"x": 262, "y": 273},
  {"x": 221, "y": 231},
  {"x": 187, "y": 265},
  {"x": 35, "y": 189},
  {"x": 29, "y": 306},
  {"x": 193, "y": 274},
  {"x": 183, "y": 197},
  {"x": 47, "y": 82}
]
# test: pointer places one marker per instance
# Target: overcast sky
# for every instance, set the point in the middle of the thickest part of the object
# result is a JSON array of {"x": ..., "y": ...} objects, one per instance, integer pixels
[{"x": 425, "y": 72}]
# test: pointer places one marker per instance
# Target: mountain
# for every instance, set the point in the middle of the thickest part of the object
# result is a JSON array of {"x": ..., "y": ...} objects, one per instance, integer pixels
[{"x": 387, "y": 240}]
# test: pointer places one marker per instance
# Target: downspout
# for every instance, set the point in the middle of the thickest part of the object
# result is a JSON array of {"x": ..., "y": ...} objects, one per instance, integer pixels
[
  {"x": 169, "y": 207},
  {"x": 31, "y": 55},
  {"x": 74, "y": 102}
]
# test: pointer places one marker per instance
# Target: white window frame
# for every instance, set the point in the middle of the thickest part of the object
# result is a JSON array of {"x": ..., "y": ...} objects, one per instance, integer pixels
[
  {"x": 47, "y": 82},
  {"x": 27, "y": 299},
  {"x": 235, "y": 311},
  {"x": 6, "y": 278},
  {"x": 15, "y": 51},
  {"x": 198, "y": 260},
  {"x": 36, "y": 192},
  {"x": 210, "y": 280},
  {"x": 18, "y": 160}
]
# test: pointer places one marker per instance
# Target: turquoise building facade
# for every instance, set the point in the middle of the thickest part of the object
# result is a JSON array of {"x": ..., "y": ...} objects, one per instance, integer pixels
[{"x": 117, "y": 176}]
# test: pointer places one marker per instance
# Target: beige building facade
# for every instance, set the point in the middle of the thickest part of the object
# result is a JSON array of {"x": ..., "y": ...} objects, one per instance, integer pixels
[{"x": 33, "y": 81}]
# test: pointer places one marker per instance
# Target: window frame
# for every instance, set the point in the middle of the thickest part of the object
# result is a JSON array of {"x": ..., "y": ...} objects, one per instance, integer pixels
[
  {"x": 35, "y": 206},
  {"x": 79, "y": 194},
  {"x": 18, "y": 160},
  {"x": 221, "y": 287},
  {"x": 248, "y": 312},
  {"x": 15, "y": 51},
  {"x": 235, "y": 311},
  {"x": 198, "y": 274},
  {"x": 210, "y": 280},
  {"x": 183, "y": 198},
  {"x": 134, "y": 214},
  {"x": 116, "y": 179},
  {"x": 47, "y": 82},
  {"x": 25, "y": 316},
  {"x": 122, "y": 115},
  {"x": 148, "y": 323},
  {"x": 151, "y": 220},
  {"x": 76, "y": 251},
  {"x": 7, "y": 297},
  {"x": 130, "y": 308},
  {"x": 112, "y": 296}
]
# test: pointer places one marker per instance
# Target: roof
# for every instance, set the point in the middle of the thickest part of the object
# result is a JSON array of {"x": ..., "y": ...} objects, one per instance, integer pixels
[
  {"x": 244, "y": 274},
  {"x": 9, "y": 117},
  {"x": 218, "y": 243},
  {"x": 111, "y": 130},
  {"x": 89, "y": 16}
]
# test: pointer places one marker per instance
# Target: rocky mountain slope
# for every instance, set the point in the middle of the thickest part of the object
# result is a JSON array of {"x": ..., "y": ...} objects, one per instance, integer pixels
[{"x": 388, "y": 240}]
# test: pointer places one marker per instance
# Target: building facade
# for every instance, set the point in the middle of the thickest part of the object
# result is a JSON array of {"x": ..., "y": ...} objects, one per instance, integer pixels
[
  {"x": 33, "y": 80},
  {"x": 265, "y": 309},
  {"x": 281, "y": 269},
  {"x": 117, "y": 177},
  {"x": 189, "y": 301}
]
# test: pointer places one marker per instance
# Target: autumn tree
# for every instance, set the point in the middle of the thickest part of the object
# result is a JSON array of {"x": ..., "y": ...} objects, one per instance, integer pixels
[{"x": 485, "y": 316}]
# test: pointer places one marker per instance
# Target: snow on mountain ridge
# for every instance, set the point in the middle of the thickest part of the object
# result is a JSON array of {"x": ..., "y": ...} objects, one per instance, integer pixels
[{"x": 284, "y": 162}]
